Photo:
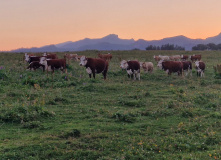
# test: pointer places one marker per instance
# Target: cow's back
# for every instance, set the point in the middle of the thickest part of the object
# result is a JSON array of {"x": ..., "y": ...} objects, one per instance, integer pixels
[
  {"x": 57, "y": 63},
  {"x": 172, "y": 66},
  {"x": 99, "y": 65},
  {"x": 133, "y": 65}
]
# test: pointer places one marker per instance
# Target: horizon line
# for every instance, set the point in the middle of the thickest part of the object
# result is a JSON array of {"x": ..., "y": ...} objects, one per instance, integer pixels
[{"x": 106, "y": 36}]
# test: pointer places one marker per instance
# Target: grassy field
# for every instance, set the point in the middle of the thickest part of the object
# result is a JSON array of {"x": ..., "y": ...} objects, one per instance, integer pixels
[{"x": 73, "y": 117}]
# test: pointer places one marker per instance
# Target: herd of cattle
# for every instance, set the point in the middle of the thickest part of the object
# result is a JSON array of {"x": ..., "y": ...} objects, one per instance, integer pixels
[{"x": 171, "y": 64}]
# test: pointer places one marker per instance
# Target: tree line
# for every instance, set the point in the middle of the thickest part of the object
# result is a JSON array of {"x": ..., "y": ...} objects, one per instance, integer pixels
[
  {"x": 165, "y": 47},
  {"x": 209, "y": 46}
]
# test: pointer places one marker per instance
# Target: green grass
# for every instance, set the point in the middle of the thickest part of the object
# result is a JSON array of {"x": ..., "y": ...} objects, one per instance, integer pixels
[{"x": 74, "y": 117}]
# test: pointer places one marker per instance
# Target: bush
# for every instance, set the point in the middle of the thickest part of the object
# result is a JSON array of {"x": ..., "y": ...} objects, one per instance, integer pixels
[
  {"x": 19, "y": 114},
  {"x": 33, "y": 124},
  {"x": 130, "y": 118},
  {"x": 74, "y": 133}
]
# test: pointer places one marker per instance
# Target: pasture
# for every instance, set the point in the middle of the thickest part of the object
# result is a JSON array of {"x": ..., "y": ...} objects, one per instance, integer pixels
[{"x": 74, "y": 117}]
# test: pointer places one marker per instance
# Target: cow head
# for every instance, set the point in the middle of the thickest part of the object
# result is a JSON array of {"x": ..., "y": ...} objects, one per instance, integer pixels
[
  {"x": 123, "y": 64},
  {"x": 159, "y": 65},
  {"x": 44, "y": 54},
  {"x": 83, "y": 61},
  {"x": 27, "y": 57},
  {"x": 43, "y": 61},
  {"x": 181, "y": 56}
]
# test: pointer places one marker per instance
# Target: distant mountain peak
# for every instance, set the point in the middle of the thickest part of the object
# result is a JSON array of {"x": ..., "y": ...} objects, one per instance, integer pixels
[{"x": 111, "y": 36}]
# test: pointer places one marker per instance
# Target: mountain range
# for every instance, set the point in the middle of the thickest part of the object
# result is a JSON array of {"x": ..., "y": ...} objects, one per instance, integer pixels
[{"x": 113, "y": 42}]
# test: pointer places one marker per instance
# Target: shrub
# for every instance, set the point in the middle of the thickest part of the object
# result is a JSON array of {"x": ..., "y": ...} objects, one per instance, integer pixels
[
  {"x": 3, "y": 75},
  {"x": 74, "y": 133},
  {"x": 130, "y": 118},
  {"x": 187, "y": 114},
  {"x": 132, "y": 103},
  {"x": 33, "y": 124},
  {"x": 19, "y": 114}
]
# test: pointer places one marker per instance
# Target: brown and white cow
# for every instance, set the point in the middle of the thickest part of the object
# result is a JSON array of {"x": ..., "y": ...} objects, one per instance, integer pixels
[
  {"x": 50, "y": 56},
  {"x": 30, "y": 59},
  {"x": 69, "y": 57},
  {"x": 165, "y": 58},
  {"x": 195, "y": 57},
  {"x": 200, "y": 67},
  {"x": 107, "y": 57},
  {"x": 35, "y": 65},
  {"x": 157, "y": 58},
  {"x": 175, "y": 57},
  {"x": 77, "y": 58},
  {"x": 94, "y": 65},
  {"x": 187, "y": 67},
  {"x": 52, "y": 64},
  {"x": 171, "y": 66},
  {"x": 147, "y": 66},
  {"x": 184, "y": 57},
  {"x": 132, "y": 67}
]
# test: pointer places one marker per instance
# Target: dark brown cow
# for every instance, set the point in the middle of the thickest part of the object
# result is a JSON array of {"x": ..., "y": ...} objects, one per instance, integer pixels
[
  {"x": 53, "y": 64},
  {"x": 132, "y": 67},
  {"x": 107, "y": 57},
  {"x": 171, "y": 66},
  {"x": 35, "y": 65},
  {"x": 187, "y": 67},
  {"x": 195, "y": 58},
  {"x": 94, "y": 65},
  {"x": 200, "y": 67},
  {"x": 184, "y": 57}
]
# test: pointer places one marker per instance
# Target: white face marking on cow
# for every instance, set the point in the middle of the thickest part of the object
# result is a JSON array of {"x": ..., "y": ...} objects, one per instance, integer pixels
[
  {"x": 83, "y": 61},
  {"x": 123, "y": 64},
  {"x": 89, "y": 71},
  {"x": 27, "y": 57},
  {"x": 160, "y": 64},
  {"x": 43, "y": 61},
  {"x": 45, "y": 54}
]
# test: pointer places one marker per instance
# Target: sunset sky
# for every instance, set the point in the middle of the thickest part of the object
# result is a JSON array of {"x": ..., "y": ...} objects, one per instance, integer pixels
[{"x": 35, "y": 23}]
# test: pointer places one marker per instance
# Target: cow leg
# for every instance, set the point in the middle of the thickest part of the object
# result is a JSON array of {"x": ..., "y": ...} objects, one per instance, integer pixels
[
  {"x": 134, "y": 74},
  {"x": 89, "y": 75},
  {"x": 138, "y": 76},
  {"x": 94, "y": 74},
  {"x": 202, "y": 73},
  {"x": 105, "y": 74}
]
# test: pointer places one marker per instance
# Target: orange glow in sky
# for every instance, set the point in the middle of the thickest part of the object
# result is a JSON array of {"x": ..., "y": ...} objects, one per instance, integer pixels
[{"x": 35, "y": 23}]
